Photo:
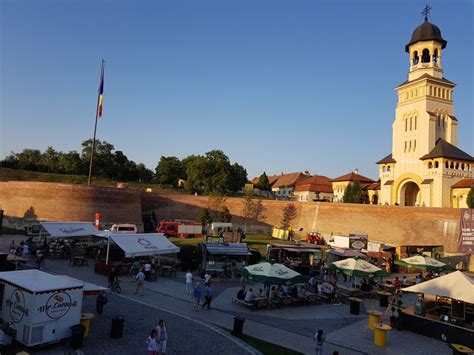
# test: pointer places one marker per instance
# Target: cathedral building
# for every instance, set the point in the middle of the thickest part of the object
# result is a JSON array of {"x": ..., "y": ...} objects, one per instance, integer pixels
[{"x": 425, "y": 164}]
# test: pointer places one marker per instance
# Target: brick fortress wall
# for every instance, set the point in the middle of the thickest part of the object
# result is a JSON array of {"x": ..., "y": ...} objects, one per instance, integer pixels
[{"x": 25, "y": 203}]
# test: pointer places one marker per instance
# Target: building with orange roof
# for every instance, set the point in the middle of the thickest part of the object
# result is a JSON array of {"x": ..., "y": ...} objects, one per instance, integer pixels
[
  {"x": 314, "y": 188},
  {"x": 459, "y": 192},
  {"x": 340, "y": 184}
]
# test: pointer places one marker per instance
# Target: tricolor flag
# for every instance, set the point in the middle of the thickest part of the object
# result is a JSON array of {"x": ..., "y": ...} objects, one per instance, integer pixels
[{"x": 101, "y": 89}]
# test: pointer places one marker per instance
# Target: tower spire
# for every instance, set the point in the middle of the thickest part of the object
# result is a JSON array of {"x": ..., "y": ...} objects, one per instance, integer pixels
[{"x": 426, "y": 11}]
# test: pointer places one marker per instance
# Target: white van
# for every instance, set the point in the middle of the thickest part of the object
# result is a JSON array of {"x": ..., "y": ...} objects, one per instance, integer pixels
[{"x": 124, "y": 229}]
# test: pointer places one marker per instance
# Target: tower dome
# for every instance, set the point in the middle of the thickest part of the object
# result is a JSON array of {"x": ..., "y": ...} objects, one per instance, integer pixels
[{"x": 426, "y": 32}]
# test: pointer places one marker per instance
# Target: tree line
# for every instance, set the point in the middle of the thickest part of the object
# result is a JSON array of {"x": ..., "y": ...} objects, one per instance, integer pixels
[{"x": 209, "y": 173}]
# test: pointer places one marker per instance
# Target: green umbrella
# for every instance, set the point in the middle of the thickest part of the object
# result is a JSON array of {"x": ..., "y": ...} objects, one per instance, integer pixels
[
  {"x": 356, "y": 267},
  {"x": 276, "y": 274},
  {"x": 424, "y": 263}
]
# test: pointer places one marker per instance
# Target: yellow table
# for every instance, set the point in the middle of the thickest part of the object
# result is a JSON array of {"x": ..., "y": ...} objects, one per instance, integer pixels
[
  {"x": 86, "y": 322},
  {"x": 460, "y": 349},
  {"x": 374, "y": 317},
  {"x": 380, "y": 333}
]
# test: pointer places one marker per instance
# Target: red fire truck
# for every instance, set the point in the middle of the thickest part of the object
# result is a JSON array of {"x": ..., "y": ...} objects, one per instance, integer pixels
[{"x": 180, "y": 229}]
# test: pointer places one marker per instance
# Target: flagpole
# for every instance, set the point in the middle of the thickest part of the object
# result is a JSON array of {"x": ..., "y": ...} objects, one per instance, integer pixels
[{"x": 95, "y": 128}]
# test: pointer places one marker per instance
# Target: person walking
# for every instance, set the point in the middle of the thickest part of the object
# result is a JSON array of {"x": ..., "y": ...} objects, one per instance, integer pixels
[
  {"x": 197, "y": 297},
  {"x": 152, "y": 342},
  {"x": 319, "y": 340},
  {"x": 25, "y": 251},
  {"x": 147, "y": 270},
  {"x": 140, "y": 279},
  {"x": 207, "y": 278},
  {"x": 100, "y": 302},
  {"x": 189, "y": 283},
  {"x": 135, "y": 268},
  {"x": 162, "y": 333},
  {"x": 39, "y": 259},
  {"x": 111, "y": 278},
  {"x": 208, "y": 296}
]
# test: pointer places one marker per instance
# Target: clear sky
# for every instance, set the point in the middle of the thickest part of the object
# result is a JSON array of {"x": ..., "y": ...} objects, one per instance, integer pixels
[{"x": 277, "y": 85}]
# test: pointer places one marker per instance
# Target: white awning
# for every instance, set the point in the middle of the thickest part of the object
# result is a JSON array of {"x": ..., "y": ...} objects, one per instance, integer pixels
[
  {"x": 456, "y": 285},
  {"x": 70, "y": 229},
  {"x": 89, "y": 289},
  {"x": 39, "y": 281},
  {"x": 143, "y": 244}
]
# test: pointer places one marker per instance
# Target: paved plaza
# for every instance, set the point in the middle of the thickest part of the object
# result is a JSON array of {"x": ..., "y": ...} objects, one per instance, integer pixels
[{"x": 208, "y": 331}]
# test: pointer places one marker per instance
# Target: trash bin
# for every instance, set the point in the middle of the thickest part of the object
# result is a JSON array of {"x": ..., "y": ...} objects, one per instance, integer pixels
[
  {"x": 77, "y": 336},
  {"x": 383, "y": 299},
  {"x": 355, "y": 305},
  {"x": 117, "y": 327},
  {"x": 86, "y": 321},
  {"x": 238, "y": 326}
]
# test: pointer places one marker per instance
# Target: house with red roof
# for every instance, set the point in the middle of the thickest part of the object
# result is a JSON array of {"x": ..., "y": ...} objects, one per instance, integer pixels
[
  {"x": 314, "y": 188},
  {"x": 340, "y": 184}
]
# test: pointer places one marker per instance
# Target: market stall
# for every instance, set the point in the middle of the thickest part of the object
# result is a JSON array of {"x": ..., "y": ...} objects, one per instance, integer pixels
[
  {"x": 221, "y": 258},
  {"x": 300, "y": 257},
  {"x": 39, "y": 307},
  {"x": 336, "y": 254},
  {"x": 444, "y": 309}
]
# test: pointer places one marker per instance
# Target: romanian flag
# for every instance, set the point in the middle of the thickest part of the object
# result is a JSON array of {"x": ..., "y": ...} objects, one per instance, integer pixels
[{"x": 101, "y": 90}]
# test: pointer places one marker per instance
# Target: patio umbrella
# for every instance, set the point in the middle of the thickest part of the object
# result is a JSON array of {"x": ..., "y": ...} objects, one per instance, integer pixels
[
  {"x": 423, "y": 262},
  {"x": 275, "y": 274},
  {"x": 357, "y": 267}
]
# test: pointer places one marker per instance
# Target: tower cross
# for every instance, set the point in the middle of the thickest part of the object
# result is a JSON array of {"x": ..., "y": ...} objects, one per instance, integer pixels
[{"x": 426, "y": 11}]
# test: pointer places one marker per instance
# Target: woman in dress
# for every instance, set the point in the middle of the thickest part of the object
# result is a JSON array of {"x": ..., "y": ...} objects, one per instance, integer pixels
[
  {"x": 162, "y": 333},
  {"x": 152, "y": 343}
]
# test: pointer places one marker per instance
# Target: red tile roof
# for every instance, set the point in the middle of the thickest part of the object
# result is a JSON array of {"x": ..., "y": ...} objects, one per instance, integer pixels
[
  {"x": 462, "y": 184},
  {"x": 314, "y": 188},
  {"x": 373, "y": 186},
  {"x": 283, "y": 180},
  {"x": 353, "y": 177}
]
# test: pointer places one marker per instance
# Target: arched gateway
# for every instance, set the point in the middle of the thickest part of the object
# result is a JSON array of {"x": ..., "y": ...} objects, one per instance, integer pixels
[{"x": 409, "y": 194}]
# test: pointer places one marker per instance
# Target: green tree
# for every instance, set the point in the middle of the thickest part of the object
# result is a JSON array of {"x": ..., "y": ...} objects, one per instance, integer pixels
[
  {"x": 470, "y": 197},
  {"x": 50, "y": 160},
  {"x": 347, "y": 198},
  {"x": 225, "y": 215},
  {"x": 144, "y": 174},
  {"x": 248, "y": 208},
  {"x": 29, "y": 159},
  {"x": 263, "y": 183},
  {"x": 238, "y": 177},
  {"x": 104, "y": 158},
  {"x": 204, "y": 216},
  {"x": 356, "y": 192},
  {"x": 194, "y": 166},
  {"x": 169, "y": 170},
  {"x": 289, "y": 214},
  {"x": 216, "y": 206},
  {"x": 70, "y": 163}
]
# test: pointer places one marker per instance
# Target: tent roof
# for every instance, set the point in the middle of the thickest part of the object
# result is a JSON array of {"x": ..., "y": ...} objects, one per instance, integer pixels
[
  {"x": 89, "y": 288},
  {"x": 143, "y": 244},
  {"x": 456, "y": 285},
  {"x": 39, "y": 281},
  {"x": 350, "y": 253},
  {"x": 70, "y": 229}
]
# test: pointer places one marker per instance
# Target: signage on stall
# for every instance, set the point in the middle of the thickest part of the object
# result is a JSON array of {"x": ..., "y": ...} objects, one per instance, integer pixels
[
  {"x": 466, "y": 232},
  {"x": 215, "y": 240},
  {"x": 58, "y": 305},
  {"x": 17, "y": 306}
]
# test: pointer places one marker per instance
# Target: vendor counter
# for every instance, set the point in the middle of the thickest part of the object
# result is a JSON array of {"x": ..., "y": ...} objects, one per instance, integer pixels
[{"x": 430, "y": 326}]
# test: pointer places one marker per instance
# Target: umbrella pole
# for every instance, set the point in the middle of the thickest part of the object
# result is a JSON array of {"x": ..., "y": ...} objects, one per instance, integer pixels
[{"x": 108, "y": 250}]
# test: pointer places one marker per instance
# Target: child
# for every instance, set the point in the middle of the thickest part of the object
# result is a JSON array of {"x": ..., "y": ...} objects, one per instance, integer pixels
[{"x": 152, "y": 343}]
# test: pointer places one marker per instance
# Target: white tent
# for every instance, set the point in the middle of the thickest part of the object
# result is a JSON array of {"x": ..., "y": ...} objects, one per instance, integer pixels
[
  {"x": 456, "y": 285},
  {"x": 70, "y": 229},
  {"x": 143, "y": 244}
]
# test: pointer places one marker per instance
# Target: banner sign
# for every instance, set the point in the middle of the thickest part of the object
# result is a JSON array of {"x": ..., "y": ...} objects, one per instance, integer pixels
[
  {"x": 466, "y": 231},
  {"x": 358, "y": 241}
]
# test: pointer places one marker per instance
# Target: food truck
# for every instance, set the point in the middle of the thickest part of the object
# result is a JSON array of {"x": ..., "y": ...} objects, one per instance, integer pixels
[
  {"x": 41, "y": 308},
  {"x": 217, "y": 258}
]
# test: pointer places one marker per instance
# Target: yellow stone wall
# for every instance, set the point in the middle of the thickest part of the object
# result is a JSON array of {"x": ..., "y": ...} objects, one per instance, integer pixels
[{"x": 459, "y": 197}]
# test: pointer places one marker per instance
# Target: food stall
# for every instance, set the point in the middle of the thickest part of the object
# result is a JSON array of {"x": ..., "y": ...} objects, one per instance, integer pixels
[
  {"x": 300, "y": 257},
  {"x": 444, "y": 309},
  {"x": 215, "y": 258},
  {"x": 39, "y": 307},
  {"x": 336, "y": 254}
]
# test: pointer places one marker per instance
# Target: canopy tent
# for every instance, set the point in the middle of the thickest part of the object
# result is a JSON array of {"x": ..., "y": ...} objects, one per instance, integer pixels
[
  {"x": 357, "y": 267},
  {"x": 228, "y": 249},
  {"x": 347, "y": 253},
  {"x": 143, "y": 244},
  {"x": 455, "y": 285},
  {"x": 275, "y": 274},
  {"x": 89, "y": 289},
  {"x": 423, "y": 262},
  {"x": 70, "y": 229}
]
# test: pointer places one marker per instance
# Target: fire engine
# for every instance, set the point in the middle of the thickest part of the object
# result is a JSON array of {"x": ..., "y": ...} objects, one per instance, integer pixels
[{"x": 180, "y": 229}]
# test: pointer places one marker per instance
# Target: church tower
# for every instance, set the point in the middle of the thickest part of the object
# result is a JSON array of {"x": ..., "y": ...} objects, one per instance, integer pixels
[{"x": 425, "y": 161}]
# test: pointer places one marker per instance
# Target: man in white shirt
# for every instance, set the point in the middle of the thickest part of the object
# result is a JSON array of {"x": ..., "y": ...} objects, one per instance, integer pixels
[
  {"x": 147, "y": 270},
  {"x": 249, "y": 296},
  {"x": 140, "y": 278},
  {"x": 207, "y": 277},
  {"x": 189, "y": 283}
]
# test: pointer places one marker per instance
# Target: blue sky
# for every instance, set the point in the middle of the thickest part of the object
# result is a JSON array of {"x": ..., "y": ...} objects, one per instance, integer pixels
[{"x": 277, "y": 85}]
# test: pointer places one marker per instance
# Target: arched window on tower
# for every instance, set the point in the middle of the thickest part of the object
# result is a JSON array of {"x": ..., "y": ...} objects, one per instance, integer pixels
[
  {"x": 415, "y": 123},
  {"x": 416, "y": 59},
  {"x": 436, "y": 165},
  {"x": 411, "y": 123},
  {"x": 430, "y": 165},
  {"x": 406, "y": 124},
  {"x": 425, "y": 57},
  {"x": 435, "y": 56},
  {"x": 446, "y": 165},
  {"x": 457, "y": 166},
  {"x": 462, "y": 166},
  {"x": 451, "y": 166},
  {"x": 414, "y": 145},
  {"x": 431, "y": 90}
]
